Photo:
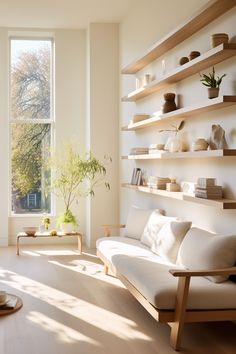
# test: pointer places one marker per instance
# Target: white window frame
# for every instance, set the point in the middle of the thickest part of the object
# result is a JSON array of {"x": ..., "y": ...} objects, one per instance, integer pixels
[{"x": 25, "y": 35}]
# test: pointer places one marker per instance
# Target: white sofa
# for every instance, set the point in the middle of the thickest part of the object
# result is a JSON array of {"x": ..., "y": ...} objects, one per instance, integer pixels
[{"x": 157, "y": 257}]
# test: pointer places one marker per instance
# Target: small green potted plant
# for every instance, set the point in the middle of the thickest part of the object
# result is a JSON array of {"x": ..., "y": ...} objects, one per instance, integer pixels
[
  {"x": 213, "y": 83},
  {"x": 76, "y": 176}
]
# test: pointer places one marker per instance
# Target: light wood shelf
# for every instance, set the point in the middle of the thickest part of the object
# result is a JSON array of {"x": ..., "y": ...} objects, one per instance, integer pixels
[
  {"x": 210, "y": 58},
  {"x": 164, "y": 155},
  {"x": 185, "y": 112},
  {"x": 203, "y": 17},
  {"x": 218, "y": 203}
]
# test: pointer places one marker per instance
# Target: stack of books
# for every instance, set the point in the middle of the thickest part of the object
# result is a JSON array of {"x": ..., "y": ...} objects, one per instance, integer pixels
[
  {"x": 158, "y": 182},
  {"x": 139, "y": 117},
  {"x": 137, "y": 177},
  {"x": 156, "y": 148},
  {"x": 206, "y": 188},
  {"x": 139, "y": 151}
]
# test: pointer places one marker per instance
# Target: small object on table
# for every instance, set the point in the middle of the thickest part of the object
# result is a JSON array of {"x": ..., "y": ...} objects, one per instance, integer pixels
[
  {"x": 12, "y": 304},
  {"x": 30, "y": 230},
  {"x": 53, "y": 232},
  {"x": 169, "y": 104},
  {"x": 200, "y": 144},
  {"x": 219, "y": 38}
]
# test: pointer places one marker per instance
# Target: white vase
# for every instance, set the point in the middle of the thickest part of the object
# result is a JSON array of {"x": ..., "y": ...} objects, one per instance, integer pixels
[
  {"x": 67, "y": 227},
  {"x": 173, "y": 144}
]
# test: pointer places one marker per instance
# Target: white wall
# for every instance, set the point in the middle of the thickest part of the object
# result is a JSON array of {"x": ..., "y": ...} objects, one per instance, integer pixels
[
  {"x": 147, "y": 23},
  {"x": 103, "y": 105}
]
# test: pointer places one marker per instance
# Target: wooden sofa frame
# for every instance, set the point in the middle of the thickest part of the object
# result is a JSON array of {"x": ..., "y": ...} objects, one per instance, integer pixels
[{"x": 180, "y": 315}]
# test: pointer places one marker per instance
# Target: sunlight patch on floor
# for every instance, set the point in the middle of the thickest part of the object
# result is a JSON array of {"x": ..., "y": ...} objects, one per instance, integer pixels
[
  {"x": 31, "y": 253},
  {"x": 64, "y": 333},
  {"x": 60, "y": 252},
  {"x": 90, "y": 269},
  {"x": 77, "y": 307}
]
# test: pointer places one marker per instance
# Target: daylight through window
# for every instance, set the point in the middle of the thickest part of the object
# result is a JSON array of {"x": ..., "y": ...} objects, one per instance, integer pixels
[{"x": 31, "y": 118}]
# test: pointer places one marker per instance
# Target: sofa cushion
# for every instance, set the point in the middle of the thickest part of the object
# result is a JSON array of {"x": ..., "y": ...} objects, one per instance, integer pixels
[
  {"x": 153, "y": 280},
  {"x": 118, "y": 245},
  {"x": 153, "y": 226},
  {"x": 169, "y": 238},
  {"x": 201, "y": 249},
  {"x": 136, "y": 221}
]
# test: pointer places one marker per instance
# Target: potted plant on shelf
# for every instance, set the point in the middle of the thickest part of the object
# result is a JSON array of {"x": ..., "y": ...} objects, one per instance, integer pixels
[
  {"x": 76, "y": 176},
  {"x": 213, "y": 83}
]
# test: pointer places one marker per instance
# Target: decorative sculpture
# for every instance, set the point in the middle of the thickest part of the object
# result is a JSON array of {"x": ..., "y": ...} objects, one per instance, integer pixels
[{"x": 217, "y": 139}]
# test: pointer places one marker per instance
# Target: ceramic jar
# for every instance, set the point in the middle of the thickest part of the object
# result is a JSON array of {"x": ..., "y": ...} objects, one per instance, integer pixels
[
  {"x": 200, "y": 144},
  {"x": 218, "y": 38},
  {"x": 169, "y": 104}
]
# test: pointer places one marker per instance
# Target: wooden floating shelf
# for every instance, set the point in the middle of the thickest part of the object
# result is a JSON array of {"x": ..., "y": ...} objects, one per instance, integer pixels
[
  {"x": 164, "y": 155},
  {"x": 204, "y": 16},
  {"x": 203, "y": 107},
  {"x": 218, "y": 203},
  {"x": 210, "y": 58}
]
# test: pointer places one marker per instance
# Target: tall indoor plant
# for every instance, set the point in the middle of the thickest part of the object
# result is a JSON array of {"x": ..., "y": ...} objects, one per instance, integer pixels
[{"x": 76, "y": 176}]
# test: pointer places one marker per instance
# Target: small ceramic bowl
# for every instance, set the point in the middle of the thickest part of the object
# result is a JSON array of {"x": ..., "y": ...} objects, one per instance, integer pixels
[{"x": 30, "y": 230}]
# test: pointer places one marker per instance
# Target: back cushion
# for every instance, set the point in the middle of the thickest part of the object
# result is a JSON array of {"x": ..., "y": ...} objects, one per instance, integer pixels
[
  {"x": 201, "y": 249},
  {"x": 153, "y": 226},
  {"x": 169, "y": 239},
  {"x": 136, "y": 221}
]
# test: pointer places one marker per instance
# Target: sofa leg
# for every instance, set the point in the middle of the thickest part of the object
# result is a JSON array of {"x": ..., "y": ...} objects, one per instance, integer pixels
[
  {"x": 105, "y": 269},
  {"x": 180, "y": 308}
]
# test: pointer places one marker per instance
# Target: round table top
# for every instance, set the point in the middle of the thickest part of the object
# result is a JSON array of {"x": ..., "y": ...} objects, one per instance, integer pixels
[{"x": 13, "y": 304}]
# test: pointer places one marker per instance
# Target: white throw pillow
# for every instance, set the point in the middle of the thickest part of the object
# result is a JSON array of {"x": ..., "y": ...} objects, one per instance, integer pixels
[
  {"x": 136, "y": 221},
  {"x": 169, "y": 239},
  {"x": 201, "y": 249},
  {"x": 153, "y": 226}
]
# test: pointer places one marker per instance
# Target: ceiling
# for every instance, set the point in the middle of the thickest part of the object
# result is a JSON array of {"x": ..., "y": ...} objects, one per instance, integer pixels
[{"x": 61, "y": 13}]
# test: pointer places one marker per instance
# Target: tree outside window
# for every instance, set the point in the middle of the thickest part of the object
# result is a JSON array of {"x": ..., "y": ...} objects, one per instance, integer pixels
[{"x": 31, "y": 118}]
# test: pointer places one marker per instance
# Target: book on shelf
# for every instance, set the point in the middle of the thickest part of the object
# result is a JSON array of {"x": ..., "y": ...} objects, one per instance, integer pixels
[
  {"x": 139, "y": 151},
  {"x": 208, "y": 195},
  {"x": 139, "y": 117},
  {"x": 136, "y": 179},
  {"x": 210, "y": 189},
  {"x": 206, "y": 182}
]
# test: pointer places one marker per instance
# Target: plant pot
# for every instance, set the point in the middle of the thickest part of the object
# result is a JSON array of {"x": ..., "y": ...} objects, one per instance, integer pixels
[
  {"x": 213, "y": 92},
  {"x": 67, "y": 227}
]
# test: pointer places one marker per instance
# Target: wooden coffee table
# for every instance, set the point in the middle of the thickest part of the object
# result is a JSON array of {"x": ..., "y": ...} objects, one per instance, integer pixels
[{"x": 47, "y": 235}]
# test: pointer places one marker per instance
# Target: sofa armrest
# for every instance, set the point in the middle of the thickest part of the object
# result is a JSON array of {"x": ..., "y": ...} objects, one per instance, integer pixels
[
  {"x": 108, "y": 228},
  {"x": 202, "y": 273}
]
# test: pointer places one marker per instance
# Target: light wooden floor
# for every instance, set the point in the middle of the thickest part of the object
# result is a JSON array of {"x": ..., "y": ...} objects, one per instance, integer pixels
[{"x": 71, "y": 307}]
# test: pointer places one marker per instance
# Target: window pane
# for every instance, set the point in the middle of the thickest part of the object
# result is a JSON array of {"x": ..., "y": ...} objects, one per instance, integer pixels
[
  {"x": 30, "y": 175},
  {"x": 30, "y": 76}
]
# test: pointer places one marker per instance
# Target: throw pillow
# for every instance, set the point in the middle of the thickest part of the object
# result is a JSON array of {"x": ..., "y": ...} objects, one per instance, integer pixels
[
  {"x": 169, "y": 239},
  {"x": 201, "y": 249},
  {"x": 136, "y": 221},
  {"x": 153, "y": 226}
]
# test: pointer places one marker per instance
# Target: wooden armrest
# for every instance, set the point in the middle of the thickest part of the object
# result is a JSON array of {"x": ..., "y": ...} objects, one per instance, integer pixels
[
  {"x": 202, "y": 273},
  {"x": 109, "y": 227}
]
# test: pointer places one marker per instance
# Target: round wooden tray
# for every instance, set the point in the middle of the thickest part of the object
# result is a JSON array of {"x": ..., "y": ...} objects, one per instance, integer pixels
[{"x": 7, "y": 311}]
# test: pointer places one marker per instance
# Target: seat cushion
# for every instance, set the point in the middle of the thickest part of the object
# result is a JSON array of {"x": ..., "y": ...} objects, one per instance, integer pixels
[
  {"x": 149, "y": 274},
  {"x": 153, "y": 280},
  {"x": 201, "y": 249}
]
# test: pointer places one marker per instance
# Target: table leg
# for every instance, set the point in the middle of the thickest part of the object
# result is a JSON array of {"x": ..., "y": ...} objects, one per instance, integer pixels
[
  {"x": 80, "y": 243},
  {"x": 18, "y": 245}
]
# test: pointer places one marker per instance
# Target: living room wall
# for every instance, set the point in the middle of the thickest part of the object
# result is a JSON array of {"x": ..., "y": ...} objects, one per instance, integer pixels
[
  {"x": 78, "y": 85},
  {"x": 148, "y": 22}
]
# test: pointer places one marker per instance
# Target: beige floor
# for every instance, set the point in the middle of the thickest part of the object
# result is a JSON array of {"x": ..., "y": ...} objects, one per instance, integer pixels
[{"x": 71, "y": 307}]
